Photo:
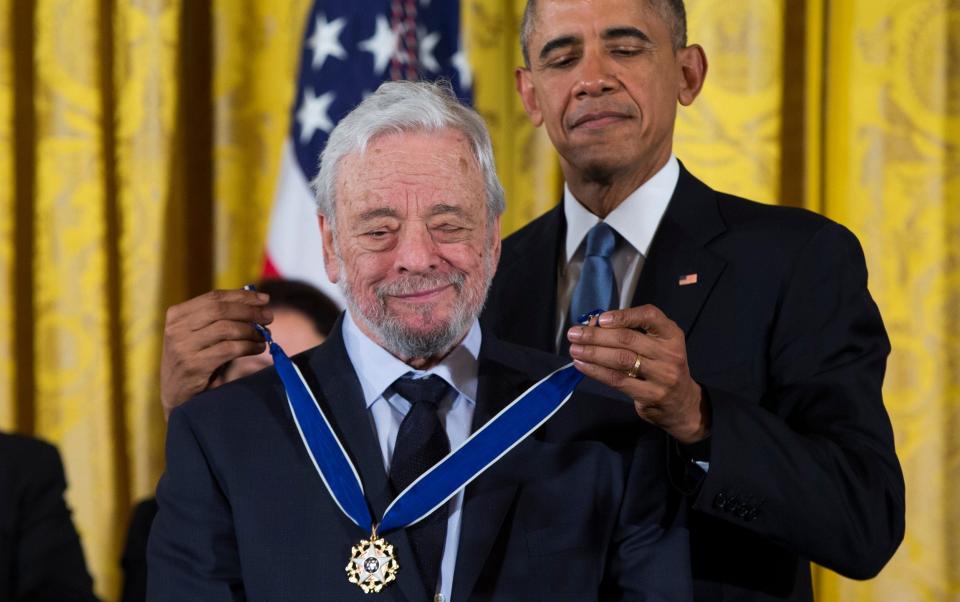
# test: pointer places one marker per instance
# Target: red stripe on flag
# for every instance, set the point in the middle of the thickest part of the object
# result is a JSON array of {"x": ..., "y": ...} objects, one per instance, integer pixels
[{"x": 269, "y": 270}]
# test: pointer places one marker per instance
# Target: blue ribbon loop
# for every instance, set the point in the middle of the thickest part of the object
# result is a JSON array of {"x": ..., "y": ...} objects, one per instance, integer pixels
[{"x": 441, "y": 482}]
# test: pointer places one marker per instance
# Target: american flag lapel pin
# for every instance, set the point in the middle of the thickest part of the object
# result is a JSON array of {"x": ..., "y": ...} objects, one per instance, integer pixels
[{"x": 687, "y": 279}]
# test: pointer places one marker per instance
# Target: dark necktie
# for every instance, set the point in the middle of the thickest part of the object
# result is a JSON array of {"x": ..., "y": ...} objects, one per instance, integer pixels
[
  {"x": 597, "y": 287},
  {"x": 421, "y": 443}
]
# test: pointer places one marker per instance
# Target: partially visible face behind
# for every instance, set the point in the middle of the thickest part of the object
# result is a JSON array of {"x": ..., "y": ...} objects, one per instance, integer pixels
[
  {"x": 291, "y": 330},
  {"x": 415, "y": 249},
  {"x": 605, "y": 81}
]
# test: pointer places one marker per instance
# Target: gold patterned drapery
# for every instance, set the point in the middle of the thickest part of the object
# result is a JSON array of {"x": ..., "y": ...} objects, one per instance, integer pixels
[{"x": 139, "y": 146}]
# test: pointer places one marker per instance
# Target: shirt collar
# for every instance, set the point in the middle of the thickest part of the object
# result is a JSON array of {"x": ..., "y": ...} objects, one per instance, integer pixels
[
  {"x": 635, "y": 219},
  {"x": 377, "y": 368}
]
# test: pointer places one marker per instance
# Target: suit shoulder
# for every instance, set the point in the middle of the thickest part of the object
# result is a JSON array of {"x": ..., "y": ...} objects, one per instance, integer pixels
[
  {"x": 22, "y": 450},
  {"x": 741, "y": 212},
  {"x": 535, "y": 230},
  {"x": 235, "y": 400},
  {"x": 789, "y": 229}
]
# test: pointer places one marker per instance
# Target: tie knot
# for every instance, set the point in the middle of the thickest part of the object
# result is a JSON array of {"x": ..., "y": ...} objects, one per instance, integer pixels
[
  {"x": 431, "y": 389},
  {"x": 601, "y": 240}
]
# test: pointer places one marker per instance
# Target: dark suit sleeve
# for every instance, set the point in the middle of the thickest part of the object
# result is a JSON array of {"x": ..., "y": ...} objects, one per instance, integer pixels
[
  {"x": 192, "y": 552},
  {"x": 649, "y": 556},
  {"x": 813, "y": 465},
  {"x": 134, "y": 561},
  {"x": 50, "y": 565}
]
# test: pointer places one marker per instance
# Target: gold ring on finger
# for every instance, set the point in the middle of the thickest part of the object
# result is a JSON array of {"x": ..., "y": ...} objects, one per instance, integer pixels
[{"x": 633, "y": 372}]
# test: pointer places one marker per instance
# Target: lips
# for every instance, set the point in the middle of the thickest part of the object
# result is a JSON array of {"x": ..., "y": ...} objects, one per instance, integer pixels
[
  {"x": 422, "y": 295},
  {"x": 598, "y": 119}
]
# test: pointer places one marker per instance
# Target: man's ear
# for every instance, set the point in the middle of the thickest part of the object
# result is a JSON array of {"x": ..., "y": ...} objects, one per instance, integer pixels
[
  {"x": 330, "y": 262},
  {"x": 495, "y": 247},
  {"x": 528, "y": 95},
  {"x": 693, "y": 72}
]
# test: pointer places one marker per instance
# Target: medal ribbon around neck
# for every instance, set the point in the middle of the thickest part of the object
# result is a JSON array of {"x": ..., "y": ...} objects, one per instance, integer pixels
[{"x": 445, "y": 478}]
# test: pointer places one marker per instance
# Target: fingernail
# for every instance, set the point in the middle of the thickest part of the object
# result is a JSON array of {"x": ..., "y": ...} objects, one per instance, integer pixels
[
  {"x": 575, "y": 333},
  {"x": 576, "y": 349},
  {"x": 266, "y": 315},
  {"x": 606, "y": 319}
]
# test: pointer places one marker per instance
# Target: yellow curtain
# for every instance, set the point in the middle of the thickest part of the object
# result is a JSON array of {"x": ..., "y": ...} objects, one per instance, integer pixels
[
  {"x": 891, "y": 172},
  {"x": 526, "y": 161},
  {"x": 257, "y": 54},
  {"x": 7, "y": 269},
  {"x": 730, "y": 136}
]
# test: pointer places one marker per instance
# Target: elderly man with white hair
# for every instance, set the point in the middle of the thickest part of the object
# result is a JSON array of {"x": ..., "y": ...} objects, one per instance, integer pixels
[{"x": 413, "y": 455}]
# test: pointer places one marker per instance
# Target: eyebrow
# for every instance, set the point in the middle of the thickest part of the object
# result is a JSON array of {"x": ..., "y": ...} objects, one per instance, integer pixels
[
  {"x": 625, "y": 32},
  {"x": 555, "y": 43},
  {"x": 442, "y": 209},
  {"x": 378, "y": 212},
  {"x": 612, "y": 33}
]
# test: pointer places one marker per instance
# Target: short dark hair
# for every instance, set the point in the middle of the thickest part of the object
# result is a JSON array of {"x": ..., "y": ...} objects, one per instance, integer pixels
[
  {"x": 672, "y": 12},
  {"x": 303, "y": 298}
]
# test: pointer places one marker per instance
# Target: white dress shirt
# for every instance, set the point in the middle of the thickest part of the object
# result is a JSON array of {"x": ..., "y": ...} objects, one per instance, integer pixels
[
  {"x": 635, "y": 219},
  {"x": 377, "y": 369}
]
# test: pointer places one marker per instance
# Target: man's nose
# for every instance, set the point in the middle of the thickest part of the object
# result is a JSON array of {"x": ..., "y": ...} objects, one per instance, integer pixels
[
  {"x": 417, "y": 252},
  {"x": 595, "y": 76}
]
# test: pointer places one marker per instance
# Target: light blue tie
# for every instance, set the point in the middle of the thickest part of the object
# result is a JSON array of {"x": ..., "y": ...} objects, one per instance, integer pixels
[{"x": 597, "y": 287}]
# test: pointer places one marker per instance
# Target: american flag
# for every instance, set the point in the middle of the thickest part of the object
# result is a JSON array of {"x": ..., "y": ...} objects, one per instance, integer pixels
[{"x": 349, "y": 48}]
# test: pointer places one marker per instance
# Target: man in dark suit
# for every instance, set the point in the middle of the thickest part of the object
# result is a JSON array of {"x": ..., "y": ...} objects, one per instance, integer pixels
[
  {"x": 747, "y": 334},
  {"x": 40, "y": 555},
  {"x": 409, "y": 212}
]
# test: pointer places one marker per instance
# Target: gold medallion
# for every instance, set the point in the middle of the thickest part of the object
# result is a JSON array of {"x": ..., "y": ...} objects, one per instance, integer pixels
[{"x": 372, "y": 564}]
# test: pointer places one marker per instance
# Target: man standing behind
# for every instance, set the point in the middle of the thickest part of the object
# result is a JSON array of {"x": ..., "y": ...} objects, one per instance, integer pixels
[
  {"x": 409, "y": 213},
  {"x": 750, "y": 336}
]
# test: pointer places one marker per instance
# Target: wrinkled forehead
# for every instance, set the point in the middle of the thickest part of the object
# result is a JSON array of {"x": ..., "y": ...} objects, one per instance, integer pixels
[{"x": 416, "y": 169}]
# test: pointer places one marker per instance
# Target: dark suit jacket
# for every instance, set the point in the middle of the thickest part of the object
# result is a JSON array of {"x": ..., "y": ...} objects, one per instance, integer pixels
[
  {"x": 134, "y": 561},
  {"x": 789, "y": 347},
  {"x": 244, "y": 515},
  {"x": 40, "y": 554}
]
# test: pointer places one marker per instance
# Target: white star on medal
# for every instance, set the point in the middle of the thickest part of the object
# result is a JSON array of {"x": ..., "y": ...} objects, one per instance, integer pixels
[{"x": 372, "y": 564}]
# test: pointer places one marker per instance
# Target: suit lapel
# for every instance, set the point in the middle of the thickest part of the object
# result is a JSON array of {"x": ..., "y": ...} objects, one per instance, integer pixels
[
  {"x": 341, "y": 397},
  {"x": 678, "y": 253},
  {"x": 489, "y": 498}
]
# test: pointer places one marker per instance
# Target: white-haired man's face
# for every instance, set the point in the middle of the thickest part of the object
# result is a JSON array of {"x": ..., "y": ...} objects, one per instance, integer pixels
[{"x": 413, "y": 250}]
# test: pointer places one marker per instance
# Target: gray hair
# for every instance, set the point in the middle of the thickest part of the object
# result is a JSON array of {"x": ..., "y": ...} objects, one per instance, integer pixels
[
  {"x": 398, "y": 107},
  {"x": 673, "y": 13}
]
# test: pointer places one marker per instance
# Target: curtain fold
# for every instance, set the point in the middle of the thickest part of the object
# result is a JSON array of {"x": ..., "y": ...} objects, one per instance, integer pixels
[{"x": 7, "y": 218}]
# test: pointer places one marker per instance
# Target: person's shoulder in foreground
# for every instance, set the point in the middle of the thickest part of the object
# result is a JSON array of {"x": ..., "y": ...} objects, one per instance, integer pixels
[{"x": 41, "y": 559}]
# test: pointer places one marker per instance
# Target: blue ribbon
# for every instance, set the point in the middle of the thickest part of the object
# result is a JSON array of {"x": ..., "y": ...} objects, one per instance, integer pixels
[{"x": 441, "y": 482}]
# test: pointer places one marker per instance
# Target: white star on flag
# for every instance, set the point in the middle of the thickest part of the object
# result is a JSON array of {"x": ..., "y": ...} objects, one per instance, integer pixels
[
  {"x": 325, "y": 41},
  {"x": 313, "y": 114},
  {"x": 383, "y": 44},
  {"x": 426, "y": 43}
]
